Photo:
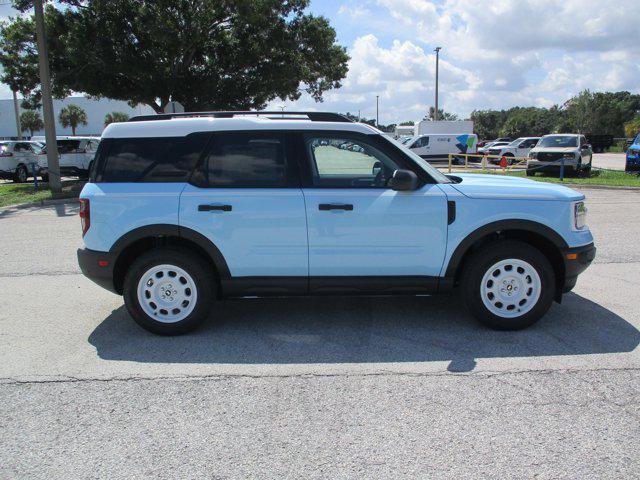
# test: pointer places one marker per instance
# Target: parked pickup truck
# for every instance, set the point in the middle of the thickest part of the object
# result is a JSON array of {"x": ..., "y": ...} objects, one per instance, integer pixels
[
  {"x": 554, "y": 151},
  {"x": 183, "y": 210}
]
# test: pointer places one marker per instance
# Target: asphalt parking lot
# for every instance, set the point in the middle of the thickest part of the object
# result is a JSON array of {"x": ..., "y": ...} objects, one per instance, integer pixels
[{"x": 316, "y": 388}]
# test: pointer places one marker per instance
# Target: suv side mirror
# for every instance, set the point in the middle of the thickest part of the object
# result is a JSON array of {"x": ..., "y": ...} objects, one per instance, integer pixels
[
  {"x": 586, "y": 146},
  {"x": 403, "y": 180}
]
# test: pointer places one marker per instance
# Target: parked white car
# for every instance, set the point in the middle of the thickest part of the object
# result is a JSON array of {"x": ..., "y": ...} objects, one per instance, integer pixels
[
  {"x": 520, "y": 147},
  {"x": 16, "y": 159},
  {"x": 552, "y": 151},
  {"x": 75, "y": 155},
  {"x": 485, "y": 150},
  {"x": 434, "y": 147}
]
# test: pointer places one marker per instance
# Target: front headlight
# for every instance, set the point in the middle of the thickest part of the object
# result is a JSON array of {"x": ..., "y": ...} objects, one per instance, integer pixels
[
  {"x": 568, "y": 156},
  {"x": 579, "y": 215}
]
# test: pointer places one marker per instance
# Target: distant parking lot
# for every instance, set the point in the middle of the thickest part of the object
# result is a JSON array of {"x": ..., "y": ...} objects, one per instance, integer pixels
[{"x": 367, "y": 387}]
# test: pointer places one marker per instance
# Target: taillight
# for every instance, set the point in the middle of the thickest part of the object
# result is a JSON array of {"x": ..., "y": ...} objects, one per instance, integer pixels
[{"x": 85, "y": 215}]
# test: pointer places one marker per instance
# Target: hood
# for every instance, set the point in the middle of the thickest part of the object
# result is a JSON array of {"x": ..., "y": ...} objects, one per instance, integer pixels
[
  {"x": 555, "y": 149},
  {"x": 481, "y": 186}
]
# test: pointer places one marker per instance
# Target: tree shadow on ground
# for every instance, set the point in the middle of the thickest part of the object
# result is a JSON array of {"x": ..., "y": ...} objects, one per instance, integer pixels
[{"x": 364, "y": 330}]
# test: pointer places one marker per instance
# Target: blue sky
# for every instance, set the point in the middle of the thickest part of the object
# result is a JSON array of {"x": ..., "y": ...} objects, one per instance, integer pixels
[{"x": 495, "y": 54}]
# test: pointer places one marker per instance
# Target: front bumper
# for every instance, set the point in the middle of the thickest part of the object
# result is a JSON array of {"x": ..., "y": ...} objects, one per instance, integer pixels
[
  {"x": 576, "y": 261},
  {"x": 97, "y": 267},
  {"x": 537, "y": 166},
  {"x": 632, "y": 163}
]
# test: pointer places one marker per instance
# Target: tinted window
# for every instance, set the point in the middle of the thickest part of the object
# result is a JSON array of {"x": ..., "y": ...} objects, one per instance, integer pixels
[
  {"x": 68, "y": 146},
  {"x": 165, "y": 159},
  {"x": 348, "y": 163},
  {"x": 247, "y": 159}
]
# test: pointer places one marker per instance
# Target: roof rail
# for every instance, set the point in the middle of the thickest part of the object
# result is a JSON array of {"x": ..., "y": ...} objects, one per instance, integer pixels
[{"x": 273, "y": 115}]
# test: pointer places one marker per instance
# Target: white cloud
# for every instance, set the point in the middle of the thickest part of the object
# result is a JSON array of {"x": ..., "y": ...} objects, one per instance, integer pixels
[{"x": 496, "y": 54}]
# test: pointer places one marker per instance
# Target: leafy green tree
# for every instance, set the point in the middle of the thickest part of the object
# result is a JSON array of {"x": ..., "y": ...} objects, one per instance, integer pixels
[
  {"x": 632, "y": 128},
  {"x": 487, "y": 123},
  {"x": 205, "y": 54},
  {"x": 442, "y": 115},
  {"x": 409, "y": 123},
  {"x": 601, "y": 112},
  {"x": 115, "y": 117},
  {"x": 30, "y": 121},
  {"x": 72, "y": 116}
]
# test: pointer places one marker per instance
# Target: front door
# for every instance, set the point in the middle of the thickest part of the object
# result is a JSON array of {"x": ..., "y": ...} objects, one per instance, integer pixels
[
  {"x": 246, "y": 198},
  {"x": 357, "y": 225}
]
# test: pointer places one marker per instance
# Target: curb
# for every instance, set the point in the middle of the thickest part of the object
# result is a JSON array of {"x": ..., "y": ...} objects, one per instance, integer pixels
[
  {"x": 41, "y": 203},
  {"x": 603, "y": 187}
]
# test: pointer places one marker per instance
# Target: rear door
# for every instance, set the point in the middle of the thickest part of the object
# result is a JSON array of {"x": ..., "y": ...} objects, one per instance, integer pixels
[
  {"x": 357, "y": 225},
  {"x": 245, "y": 197}
]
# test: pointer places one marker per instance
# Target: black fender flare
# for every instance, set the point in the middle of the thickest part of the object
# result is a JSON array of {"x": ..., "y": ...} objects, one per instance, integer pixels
[
  {"x": 501, "y": 225},
  {"x": 171, "y": 230}
]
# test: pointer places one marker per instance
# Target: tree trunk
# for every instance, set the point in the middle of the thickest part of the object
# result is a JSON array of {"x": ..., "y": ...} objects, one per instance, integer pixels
[{"x": 73, "y": 130}]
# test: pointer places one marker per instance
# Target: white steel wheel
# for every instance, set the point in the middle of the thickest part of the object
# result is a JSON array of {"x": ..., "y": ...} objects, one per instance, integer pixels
[
  {"x": 510, "y": 288},
  {"x": 167, "y": 293}
]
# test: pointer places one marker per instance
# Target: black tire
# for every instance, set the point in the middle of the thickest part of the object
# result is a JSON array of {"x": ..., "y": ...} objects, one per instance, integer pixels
[
  {"x": 510, "y": 158},
  {"x": 486, "y": 257},
  {"x": 21, "y": 174},
  {"x": 45, "y": 177},
  {"x": 191, "y": 263},
  {"x": 530, "y": 173}
]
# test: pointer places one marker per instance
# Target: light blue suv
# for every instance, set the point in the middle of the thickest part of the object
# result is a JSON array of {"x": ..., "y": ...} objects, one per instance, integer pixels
[{"x": 183, "y": 210}]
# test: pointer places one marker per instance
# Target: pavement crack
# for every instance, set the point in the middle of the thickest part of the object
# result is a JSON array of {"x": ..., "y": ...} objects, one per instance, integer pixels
[{"x": 381, "y": 373}]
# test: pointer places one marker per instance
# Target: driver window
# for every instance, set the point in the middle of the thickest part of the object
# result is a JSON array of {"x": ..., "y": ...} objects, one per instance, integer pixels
[{"x": 348, "y": 163}]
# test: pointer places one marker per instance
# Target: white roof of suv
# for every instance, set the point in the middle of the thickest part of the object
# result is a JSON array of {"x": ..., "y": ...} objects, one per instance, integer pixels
[{"x": 184, "y": 125}]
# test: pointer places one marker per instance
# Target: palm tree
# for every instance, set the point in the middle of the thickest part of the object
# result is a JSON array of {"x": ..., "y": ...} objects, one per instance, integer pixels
[
  {"x": 72, "y": 116},
  {"x": 115, "y": 117},
  {"x": 30, "y": 121}
]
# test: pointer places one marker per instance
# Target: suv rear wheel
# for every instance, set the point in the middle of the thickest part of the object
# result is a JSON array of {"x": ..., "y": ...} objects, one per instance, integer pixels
[
  {"x": 169, "y": 291},
  {"x": 21, "y": 174},
  {"x": 508, "y": 285}
]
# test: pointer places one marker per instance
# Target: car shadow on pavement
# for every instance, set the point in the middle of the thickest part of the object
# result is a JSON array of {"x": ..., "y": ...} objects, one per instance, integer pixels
[{"x": 364, "y": 330}]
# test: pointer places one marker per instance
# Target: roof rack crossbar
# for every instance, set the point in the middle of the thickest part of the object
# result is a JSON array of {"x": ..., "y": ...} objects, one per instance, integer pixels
[{"x": 273, "y": 115}]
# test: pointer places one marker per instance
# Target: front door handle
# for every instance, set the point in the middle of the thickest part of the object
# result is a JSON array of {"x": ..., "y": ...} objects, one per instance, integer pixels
[
  {"x": 211, "y": 208},
  {"x": 335, "y": 206}
]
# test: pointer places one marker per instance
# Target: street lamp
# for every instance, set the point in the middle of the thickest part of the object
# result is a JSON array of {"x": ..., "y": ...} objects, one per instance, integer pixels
[
  {"x": 377, "y": 112},
  {"x": 435, "y": 113}
]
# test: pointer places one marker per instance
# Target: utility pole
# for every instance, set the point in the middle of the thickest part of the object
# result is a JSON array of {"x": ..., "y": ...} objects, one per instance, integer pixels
[
  {"x": 435, "y": 113},
  {"x": 377, "y": 112},
  {"x": 53, "y": 166},
  {"x": 16, "y": 109}
]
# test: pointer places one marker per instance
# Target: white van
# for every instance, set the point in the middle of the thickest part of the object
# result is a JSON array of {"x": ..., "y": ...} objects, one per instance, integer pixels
[
  {"x": 438, "y": 146},
  {"x": 75, "y": 155}
]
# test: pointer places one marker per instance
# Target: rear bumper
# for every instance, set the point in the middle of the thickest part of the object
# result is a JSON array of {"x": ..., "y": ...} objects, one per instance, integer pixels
[
  {"x": 89, "y": 261},
  {"x": 576, "y": 265}
]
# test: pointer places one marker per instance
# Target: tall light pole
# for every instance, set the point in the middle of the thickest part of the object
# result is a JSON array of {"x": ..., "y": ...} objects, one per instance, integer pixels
[
  {"x": 377, "y": 112},
  {"x": 435, "y": 113},
  {"x": 53, "y": 167},
  {"x": 16, "y": 109}
]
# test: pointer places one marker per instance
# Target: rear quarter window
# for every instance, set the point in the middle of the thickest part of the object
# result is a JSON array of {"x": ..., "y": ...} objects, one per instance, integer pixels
[{"x": 163, "y": 159}]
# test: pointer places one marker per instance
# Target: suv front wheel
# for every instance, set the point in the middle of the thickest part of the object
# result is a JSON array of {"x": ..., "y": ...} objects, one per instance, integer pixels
[
  {"x": 508, "y": 285},
  {"x": 169, "y": 291}
]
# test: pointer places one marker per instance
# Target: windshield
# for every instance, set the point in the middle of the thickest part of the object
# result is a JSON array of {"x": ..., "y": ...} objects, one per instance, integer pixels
[
  {"x": 406, "y": 140},
  {"x": 637, "y": 140},
  {"x": 435, "y": 173},
  {"x": 516, "y": 142},
  {"x": 559, "y": 141}
]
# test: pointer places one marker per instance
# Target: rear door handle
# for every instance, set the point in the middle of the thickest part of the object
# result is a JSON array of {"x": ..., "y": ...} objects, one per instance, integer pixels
[
  {"x": 211, "y": 208},
  {"x": 335, "y": 206}
]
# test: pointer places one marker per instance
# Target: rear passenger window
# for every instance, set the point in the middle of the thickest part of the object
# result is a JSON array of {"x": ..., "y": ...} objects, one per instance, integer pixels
[
  {"x": 165, "y": 159},
  {"x": 247, "y": 159}
]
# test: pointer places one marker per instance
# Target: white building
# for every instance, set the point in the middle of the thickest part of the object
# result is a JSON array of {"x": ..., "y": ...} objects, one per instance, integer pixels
[{"x": 96, "y": 111}]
